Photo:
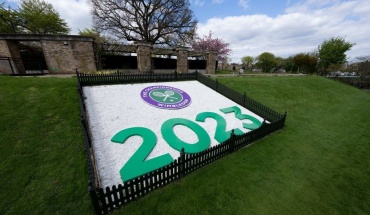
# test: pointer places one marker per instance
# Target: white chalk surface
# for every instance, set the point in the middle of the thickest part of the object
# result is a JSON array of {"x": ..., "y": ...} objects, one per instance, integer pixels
[{"x": 112, "y": 108}]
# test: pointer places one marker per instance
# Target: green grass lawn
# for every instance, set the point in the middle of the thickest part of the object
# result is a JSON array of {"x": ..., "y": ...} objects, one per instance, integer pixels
[
  {"x": 43, "y": 165},
  {"x": 224, "y": 72},
  {"x": 318, "y": 164}
]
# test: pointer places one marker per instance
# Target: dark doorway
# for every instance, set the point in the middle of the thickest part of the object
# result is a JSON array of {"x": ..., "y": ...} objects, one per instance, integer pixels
[{"x": 33, "y": 57}]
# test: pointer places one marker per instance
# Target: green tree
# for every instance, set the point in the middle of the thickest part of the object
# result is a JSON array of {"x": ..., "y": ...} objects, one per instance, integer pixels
[
  {"x": 331, "y": 53},
  {"x": 248, "y": 62},
  {"x": 289, "y": 65},
  {"x": 93, "y": 33},
  {"x": 306, "y": 63},
  {"x": 41, "y": 18},
  {"x": 280, "y": 62},
  {"x": 266, "y": 62},
  {"x": 9, "y": 20}
]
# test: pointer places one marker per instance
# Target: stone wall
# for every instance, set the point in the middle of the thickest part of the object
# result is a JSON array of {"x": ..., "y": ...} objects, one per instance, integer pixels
[
  {"x": 5, "y": 67},
  {"x": 9, "y": 49},
  {"x": 66, "y": 53},
  {"x": 182, "y": 60},
  {"x": 145, "y": 50},
  {"x": 4, "y": 50},
  {"x": 64, "y": 57},
  {"x": 211, "y": 62},
  {"x": 63, "y": 53},
  {"x": 144, "y": 54}
]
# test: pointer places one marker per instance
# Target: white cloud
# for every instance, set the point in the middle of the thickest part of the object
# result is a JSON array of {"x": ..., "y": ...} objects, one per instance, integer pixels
[
  {"x": 77, "y": 13},
  {"x": 244, "y": 4},
  {"x": 300, "y": 29},
  {"x": 198, "y": 3}
]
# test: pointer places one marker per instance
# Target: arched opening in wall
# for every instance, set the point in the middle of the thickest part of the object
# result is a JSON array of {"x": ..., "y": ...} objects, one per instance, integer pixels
[
  {"x": 164, "y": 63},
  {"x": 122, "y": 62},
  {"x": 197, "y": 62},
  {"x": 152, "y": 59},
  {"x": 32, "y": 57},
  {"x": 116, "y": 57}
]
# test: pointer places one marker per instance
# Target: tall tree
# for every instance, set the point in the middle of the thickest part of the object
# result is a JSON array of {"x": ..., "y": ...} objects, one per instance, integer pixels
[
  {"x": 166, "y": 22},
  {"x": 41, "y": 18},
  {"x": 289, "y": 65},
  {"x": 207, "y": 43},
  {"x": 305, "y": 63},
  {"x": 9, "y": 20},
  {"x": 266, "y": 61},
  {"x": 331, "y": 53},
  {"x": 280, "y": 63},
  {"x": 248, "y": 62}
]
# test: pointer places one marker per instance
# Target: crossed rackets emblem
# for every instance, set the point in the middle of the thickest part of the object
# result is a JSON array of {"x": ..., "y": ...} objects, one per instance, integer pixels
[
  {"x": 168, "y": 96},
  {"x": 165, "y": 97}
]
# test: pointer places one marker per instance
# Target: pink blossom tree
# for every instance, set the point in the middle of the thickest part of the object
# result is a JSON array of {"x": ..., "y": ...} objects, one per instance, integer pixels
[{"x": 207, "y": 43}]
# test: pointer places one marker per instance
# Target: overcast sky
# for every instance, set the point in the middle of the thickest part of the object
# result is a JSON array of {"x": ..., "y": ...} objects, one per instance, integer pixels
[{"x": 251, "y": 27}]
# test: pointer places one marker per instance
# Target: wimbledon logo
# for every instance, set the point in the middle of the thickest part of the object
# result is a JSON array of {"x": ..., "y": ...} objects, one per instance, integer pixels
[{"x": 165, "y": 97}]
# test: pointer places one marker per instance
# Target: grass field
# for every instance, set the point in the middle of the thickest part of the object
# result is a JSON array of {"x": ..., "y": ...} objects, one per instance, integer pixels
[
  {"x": 318, "y": 164},
  {"x": 224, "y": 72}
]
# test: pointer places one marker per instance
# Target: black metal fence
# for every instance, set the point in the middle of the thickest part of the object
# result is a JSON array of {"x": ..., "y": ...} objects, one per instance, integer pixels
[
  {"x": 111, "y": 198},
  {"x": 240, "y": 99},
  {"x": 123, "y": 78}
]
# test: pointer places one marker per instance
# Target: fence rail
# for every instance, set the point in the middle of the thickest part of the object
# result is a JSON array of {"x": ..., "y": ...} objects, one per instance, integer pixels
[
  {"x": 111, "y": 198},
  {"x": 242, "y": 100},
  {"x": 123, "y": 78}
]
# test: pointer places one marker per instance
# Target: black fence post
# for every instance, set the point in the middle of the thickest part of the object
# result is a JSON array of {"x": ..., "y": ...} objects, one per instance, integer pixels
[
  {"x": 232, "y": 141},
  {"x": 78, "y": 77},
  {"x": 216, "y": 85},
  {"x": 175, "y": 75},
  {"x": 182, "y": 163},
  {"x": 94, "y": 199}
]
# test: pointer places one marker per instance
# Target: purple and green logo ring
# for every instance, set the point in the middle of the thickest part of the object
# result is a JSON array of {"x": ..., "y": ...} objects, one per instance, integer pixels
[{"x": 165, "y": 97}]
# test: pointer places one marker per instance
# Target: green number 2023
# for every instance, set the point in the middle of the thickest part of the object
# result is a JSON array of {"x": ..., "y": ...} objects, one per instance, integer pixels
[{"x": 138, "y": 165}]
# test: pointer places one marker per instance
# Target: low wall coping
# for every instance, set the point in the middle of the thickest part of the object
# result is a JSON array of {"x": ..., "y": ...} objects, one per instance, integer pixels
[{"x": 33, "y": 37}]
